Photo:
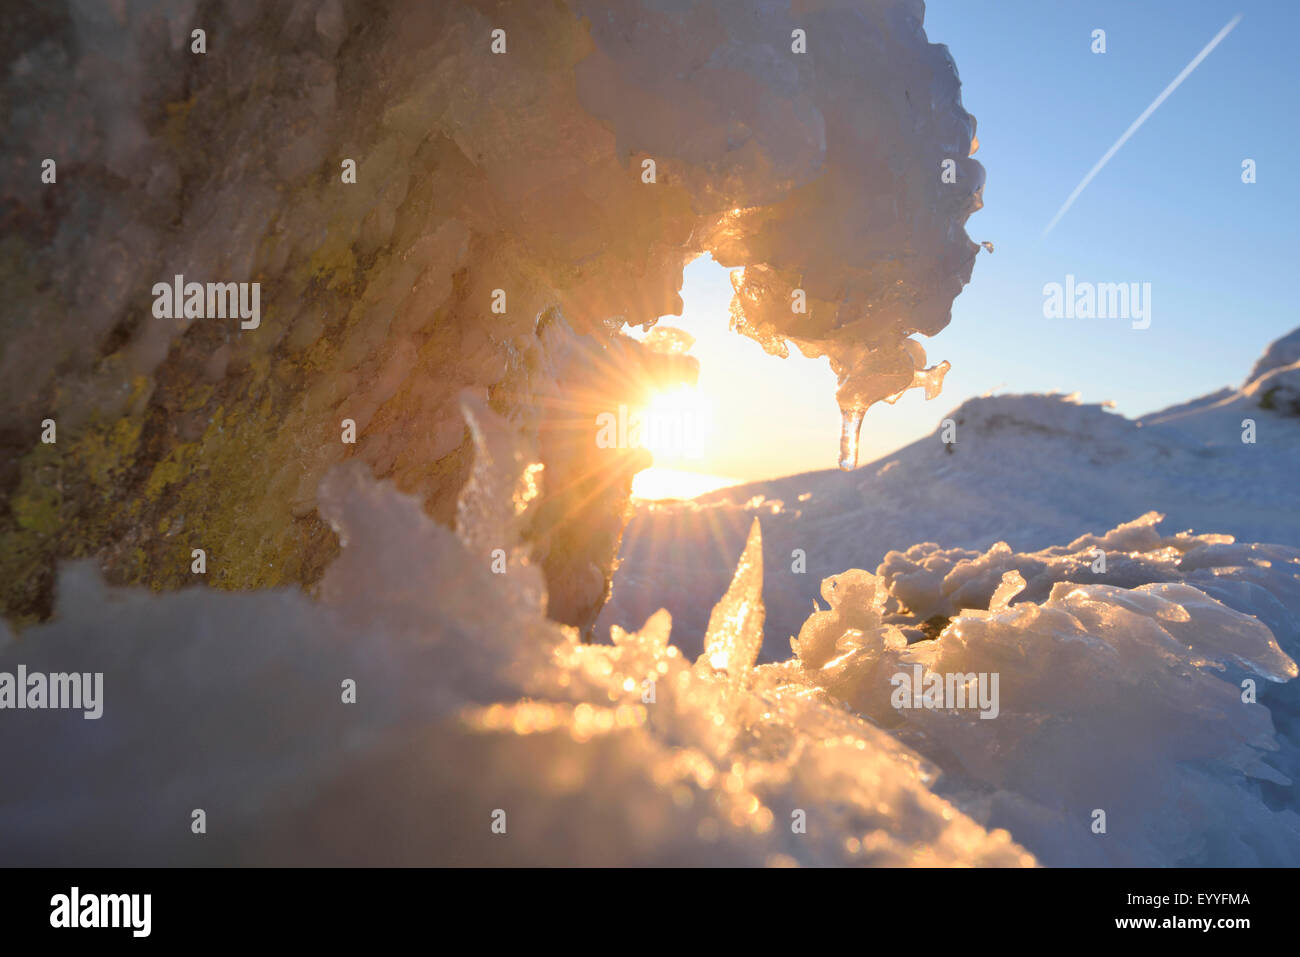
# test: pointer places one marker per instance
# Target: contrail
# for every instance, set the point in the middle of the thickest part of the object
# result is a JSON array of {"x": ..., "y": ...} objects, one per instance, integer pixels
[{"x": 1187, "y": 70}]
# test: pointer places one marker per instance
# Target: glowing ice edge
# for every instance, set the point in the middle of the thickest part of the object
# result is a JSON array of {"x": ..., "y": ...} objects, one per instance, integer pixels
[{"x": 837, "y": 185}]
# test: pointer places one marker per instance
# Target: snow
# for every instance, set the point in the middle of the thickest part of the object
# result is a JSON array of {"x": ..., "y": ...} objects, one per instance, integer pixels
[
  {"x": 1031, "y": 470},
  {"x": 1280, "y": 353},
  {"x": 469, "y": 702},
  {"x": 1119, "y": 691},
  {"x": 1123, "y": 697},
  {"x": 1120, "y": 651},
  {"x": 722, "y": 723}
]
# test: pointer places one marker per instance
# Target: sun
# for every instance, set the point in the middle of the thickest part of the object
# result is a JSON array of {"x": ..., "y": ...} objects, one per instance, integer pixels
[
  {"x": 656, "y": 484},
  {"x": 676, "y": 426}
]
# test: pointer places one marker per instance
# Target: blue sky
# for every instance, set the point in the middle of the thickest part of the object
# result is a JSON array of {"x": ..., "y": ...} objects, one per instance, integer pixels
[{"x": 1169, "y": 209}]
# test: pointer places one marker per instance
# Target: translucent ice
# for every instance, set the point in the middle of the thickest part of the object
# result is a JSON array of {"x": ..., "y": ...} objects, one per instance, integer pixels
[
  {"x": 735, "y": 630},
  {"x": 669, "y": 340},
  {"x": 1112, "y": 695},
  {"x": 1119, "y": 690},
  {"x": 468, "y": 700},
  {"x": 850, "y": 429},
  {"x": 820, "y": 169}
]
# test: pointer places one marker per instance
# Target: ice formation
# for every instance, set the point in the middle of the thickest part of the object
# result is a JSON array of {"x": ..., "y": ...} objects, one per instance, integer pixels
[
  {"x": 1119, "y": 691},
  {"x": 735, "y": 631},
  {"x": 419, "y": 209},
  {"x": 822, "y": 151},
  {"x": 1031, "y": 470},
  {"x": 1120, "y": 655},
  {"x": 469, "y": 702}
]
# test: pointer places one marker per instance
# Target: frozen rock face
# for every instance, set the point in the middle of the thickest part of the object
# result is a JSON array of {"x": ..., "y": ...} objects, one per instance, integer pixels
[
  {"x": 429, "y": 217},
  {"x": 1280, "y": 353},
  {"x": 1278, "y": 390}
]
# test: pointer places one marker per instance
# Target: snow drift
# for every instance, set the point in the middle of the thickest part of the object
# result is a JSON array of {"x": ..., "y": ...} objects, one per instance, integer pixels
[
  {"x": 474, "y": 710},
  {"x": 469, "y": 703}
]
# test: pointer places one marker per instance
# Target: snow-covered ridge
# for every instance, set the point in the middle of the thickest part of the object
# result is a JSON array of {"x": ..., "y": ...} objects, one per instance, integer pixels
[{"x": 1280, "y": 353}]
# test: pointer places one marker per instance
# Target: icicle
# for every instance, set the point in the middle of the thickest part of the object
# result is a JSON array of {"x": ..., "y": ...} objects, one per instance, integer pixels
[{"x": 851, "y": 425}]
